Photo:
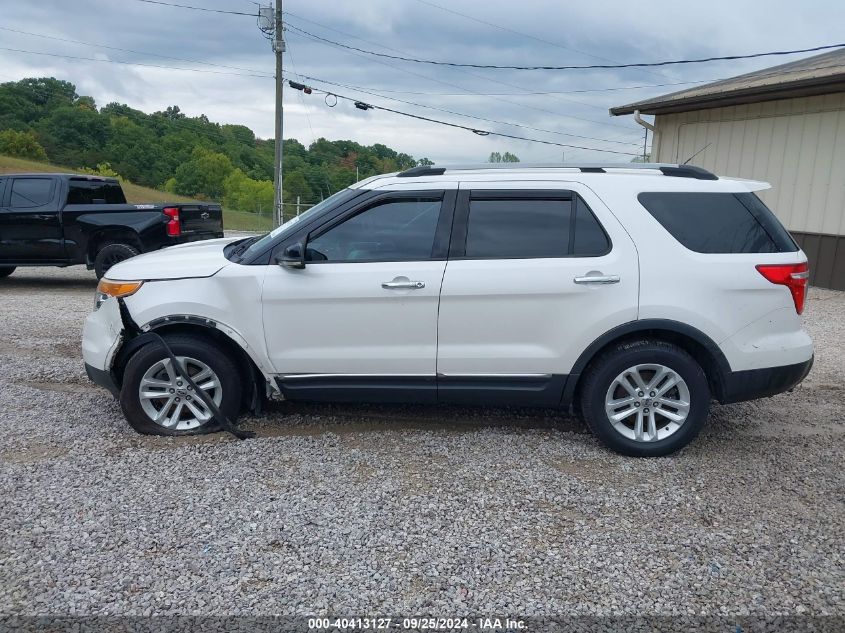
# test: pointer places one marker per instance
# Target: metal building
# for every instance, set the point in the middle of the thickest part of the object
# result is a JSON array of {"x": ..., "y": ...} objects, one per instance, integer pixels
[{"x": 784, "y": 125}]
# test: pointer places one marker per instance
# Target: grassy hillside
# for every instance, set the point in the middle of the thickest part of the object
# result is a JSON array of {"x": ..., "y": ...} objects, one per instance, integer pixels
[{"x": 232, "y": 220}]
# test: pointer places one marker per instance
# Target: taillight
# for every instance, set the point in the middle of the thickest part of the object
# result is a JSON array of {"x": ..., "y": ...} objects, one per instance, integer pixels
[
  {"x": 174, "y": 227},
  {"x": 793, "y": 276}
]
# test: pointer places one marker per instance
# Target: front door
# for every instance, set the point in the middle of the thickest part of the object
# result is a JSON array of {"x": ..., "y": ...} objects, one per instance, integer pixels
[
  {"x": 359, "y": 322},
  {"x": 537, "y": 272},
  {"x": 30, "y": 225}
]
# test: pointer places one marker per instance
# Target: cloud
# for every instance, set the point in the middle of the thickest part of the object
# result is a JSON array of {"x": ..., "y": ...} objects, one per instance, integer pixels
[{"x": 532, "y": 31}]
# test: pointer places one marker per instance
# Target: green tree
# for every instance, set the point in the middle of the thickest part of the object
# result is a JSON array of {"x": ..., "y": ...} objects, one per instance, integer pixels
[
  {"x": 189, "y": 155},
  {"x": 295, "y": 185},
  {"x": 204, "y": 174},
  {"x": 103, "y": 169},
  {"x": 72, "y": 135},
  {"x": 243, "y": 193},
  {"x": 21, "y": 144},
  {"x": 135, "y": 152},
  {"x": 507, "y": 157}
]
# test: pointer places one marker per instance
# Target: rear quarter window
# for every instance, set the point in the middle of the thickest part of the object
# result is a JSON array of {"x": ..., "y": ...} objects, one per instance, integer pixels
[
  {"x": 707, "y": 222},
  {"x": 95, "y": 192}
]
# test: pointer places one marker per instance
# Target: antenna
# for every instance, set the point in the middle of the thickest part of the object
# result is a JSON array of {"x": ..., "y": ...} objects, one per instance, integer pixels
[{"x": 696, "y": 154}]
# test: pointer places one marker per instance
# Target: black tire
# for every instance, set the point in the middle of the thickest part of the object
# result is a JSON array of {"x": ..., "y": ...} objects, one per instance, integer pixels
[
  {"x": 5, "y": 271},
  {"x": 111, "y": 254},
  {"x": 193, "y": 347},
  {"x": 603, "y": 371}
]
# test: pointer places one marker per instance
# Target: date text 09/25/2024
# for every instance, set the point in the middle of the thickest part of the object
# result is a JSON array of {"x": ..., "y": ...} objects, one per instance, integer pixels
[{"x": 416, "y": 623}]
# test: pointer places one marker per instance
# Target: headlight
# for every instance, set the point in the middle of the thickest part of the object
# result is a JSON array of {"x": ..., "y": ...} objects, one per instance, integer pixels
[{"x": 107, "y": 288}]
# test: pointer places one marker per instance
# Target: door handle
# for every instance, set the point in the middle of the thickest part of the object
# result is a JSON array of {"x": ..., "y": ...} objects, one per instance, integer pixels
[
  {"x": 409, "y": 285},
  {"x": 597, "y": 279}
]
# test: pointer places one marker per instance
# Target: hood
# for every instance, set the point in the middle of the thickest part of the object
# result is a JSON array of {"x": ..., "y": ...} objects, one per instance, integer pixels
[{"x": 194, "y": 259}]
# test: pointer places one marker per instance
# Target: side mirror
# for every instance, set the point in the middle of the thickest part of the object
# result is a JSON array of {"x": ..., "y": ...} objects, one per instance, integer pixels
[{"x": 292, "y": 257}]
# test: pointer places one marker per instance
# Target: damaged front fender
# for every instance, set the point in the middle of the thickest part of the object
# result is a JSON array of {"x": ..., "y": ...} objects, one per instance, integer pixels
[{"x": 102, "y": 339}]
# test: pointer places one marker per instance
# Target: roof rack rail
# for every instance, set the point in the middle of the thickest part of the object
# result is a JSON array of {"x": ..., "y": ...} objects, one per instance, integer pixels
[
  {"x": 667, "y": 169},
  {"x": 422, "y": 170}
]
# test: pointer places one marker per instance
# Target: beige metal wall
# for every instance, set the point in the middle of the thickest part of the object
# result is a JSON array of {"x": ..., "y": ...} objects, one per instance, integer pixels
[{"x": 798, "y": 145}]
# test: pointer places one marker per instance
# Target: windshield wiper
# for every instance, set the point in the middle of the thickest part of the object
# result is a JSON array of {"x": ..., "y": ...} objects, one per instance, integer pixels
[{"x": 245, "y": 244}]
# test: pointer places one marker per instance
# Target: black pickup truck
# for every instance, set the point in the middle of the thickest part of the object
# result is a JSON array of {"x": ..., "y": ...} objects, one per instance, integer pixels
[{"x": 68, "y": 219}]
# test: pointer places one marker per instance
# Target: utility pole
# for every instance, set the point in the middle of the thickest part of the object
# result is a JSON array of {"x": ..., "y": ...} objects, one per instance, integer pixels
[
  {"x": 645, "y": 145},
  {"x": 278, "y": 48}
]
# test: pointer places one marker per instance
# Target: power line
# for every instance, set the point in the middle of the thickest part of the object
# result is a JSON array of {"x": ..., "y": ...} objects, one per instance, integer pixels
[
  {"x": 462, "y": 70},
  {"x": 186, "y": 6},
  {"x": 307, "y": 118},
  {"x": 510, "y": 30},
  {"x": 528, "y": 35},
  {"x": 368, "y": 106},
  {"x": 531, "y": 93},
  {"x": 583, "y": 67},
  {"x": 778, "y": 73},
  {"x": 252, "y": 70},
  {"x": 127, "y": 50},
  {"x": 389, "y": 90},
  {"x": 521, "y": 105},
  {"x": 468, "y": 116},
  {"x": 116, "y": 61}
]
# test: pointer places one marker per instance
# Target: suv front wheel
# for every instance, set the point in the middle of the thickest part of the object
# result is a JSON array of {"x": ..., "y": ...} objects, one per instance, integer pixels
[
  {"x": 645, "y": 398},
  {"x": 157, "y": 401}
]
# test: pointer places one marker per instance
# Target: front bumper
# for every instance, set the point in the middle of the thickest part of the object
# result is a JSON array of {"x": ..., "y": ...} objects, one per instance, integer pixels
[
  {"x": 103, "y": 378},
  {"x": 762, "y": 383},
  {"x": 101, "y": 339}
]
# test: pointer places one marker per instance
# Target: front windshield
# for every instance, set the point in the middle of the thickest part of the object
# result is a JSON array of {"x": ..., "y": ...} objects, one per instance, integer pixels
[{"x": 285, "y": 228}]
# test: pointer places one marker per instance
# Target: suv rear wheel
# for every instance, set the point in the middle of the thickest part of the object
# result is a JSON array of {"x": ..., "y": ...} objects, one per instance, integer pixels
[
  {"x": 156, "y": 401},
  {"x": 645, "y": 398}
]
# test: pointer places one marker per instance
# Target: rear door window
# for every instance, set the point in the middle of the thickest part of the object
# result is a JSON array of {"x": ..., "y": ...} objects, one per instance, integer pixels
[
  {"x": 29, "y": 193},
  {"x": 518, "y": 228},
  {"x": 719, "y": 222},
  {"x": 504, "y": 225}
]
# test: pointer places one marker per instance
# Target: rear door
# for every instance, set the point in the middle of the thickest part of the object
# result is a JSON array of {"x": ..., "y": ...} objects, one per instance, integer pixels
[
  {"x": 536, "y": 273},
  {"x": 30, "y": 223}
]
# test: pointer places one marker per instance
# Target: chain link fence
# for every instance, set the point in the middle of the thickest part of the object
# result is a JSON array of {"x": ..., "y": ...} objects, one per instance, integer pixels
[{"x": 259, "y": 220}]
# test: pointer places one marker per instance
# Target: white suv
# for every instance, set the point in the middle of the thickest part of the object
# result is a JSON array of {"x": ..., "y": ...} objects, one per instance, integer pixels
[{"x": 633, "y": 294}]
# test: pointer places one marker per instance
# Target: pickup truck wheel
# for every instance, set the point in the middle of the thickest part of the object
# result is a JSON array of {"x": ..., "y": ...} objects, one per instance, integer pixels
[
  {"x": 645, "y": 398},
  {"x": 156, "y": 401},
  {"x": 5, "y": 271},
  {"x": 111, "y": 254}
]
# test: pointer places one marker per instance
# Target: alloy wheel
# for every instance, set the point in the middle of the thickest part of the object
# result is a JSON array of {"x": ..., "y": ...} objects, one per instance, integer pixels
[
  {"x": 170, "y": 402},
  {"x": 647, "y": 403}
]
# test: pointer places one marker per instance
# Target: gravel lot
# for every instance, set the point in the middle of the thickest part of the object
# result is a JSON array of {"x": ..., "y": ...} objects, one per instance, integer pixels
[{"x": 403, "y": 510}]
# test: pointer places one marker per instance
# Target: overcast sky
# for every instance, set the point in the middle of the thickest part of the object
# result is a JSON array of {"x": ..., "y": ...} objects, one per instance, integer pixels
[{"x": 523, "y": 32}]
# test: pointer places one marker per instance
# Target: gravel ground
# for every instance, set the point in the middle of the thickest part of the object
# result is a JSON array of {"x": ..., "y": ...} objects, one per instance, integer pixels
[{"x": 403, "y": 510}]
